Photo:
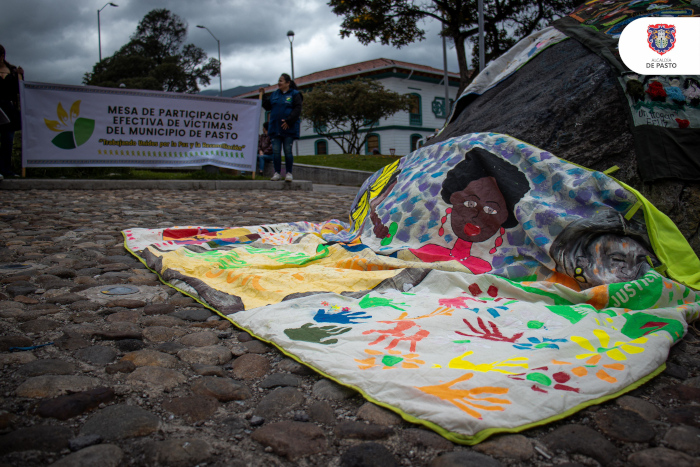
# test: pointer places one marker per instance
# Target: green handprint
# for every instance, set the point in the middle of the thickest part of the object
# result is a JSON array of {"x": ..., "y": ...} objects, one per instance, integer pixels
[
  {"x": 393, "y": 227},
  {"x": 368, "y": 302},
  {"x": 310, "y": 333}
]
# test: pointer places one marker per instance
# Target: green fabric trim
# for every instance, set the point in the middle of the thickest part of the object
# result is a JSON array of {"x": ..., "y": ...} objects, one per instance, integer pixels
[
  {"x": 662, "y": 270},
  {"x": 611, "y": 170},
  {"x": 669, "y": 244},
  {"x": 633, "y": 210}
]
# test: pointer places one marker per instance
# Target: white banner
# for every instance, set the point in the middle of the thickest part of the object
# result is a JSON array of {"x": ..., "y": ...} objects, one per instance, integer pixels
[{"x": 72, "y": 126}]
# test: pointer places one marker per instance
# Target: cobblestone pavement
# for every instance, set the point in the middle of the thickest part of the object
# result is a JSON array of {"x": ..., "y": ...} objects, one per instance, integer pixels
[{"x": 156, "y": 379}]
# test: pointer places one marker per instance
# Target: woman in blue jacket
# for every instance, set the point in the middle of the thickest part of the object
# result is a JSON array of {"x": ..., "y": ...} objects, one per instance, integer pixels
[{"x": 285, "y": 111}]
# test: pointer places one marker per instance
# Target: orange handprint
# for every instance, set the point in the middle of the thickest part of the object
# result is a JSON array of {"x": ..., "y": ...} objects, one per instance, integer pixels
[
  {"x": 398, "y": 334},
  {"x": 439, "y": 311},
  {"x": 463, "y": 398}
]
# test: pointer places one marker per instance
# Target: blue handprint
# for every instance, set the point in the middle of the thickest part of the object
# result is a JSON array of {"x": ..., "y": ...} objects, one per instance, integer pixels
[
  {"x": 341, "y": 317},
  {"x": 535, "y": 343}
]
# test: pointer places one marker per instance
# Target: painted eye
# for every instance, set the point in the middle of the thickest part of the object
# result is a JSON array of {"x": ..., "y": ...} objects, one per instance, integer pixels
[
  {"x": 470, "y": 204},
  {"x": 490, "y": 210}
]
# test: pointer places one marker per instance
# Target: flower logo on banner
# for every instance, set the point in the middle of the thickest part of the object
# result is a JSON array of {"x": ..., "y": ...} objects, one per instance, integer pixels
[
  {"x": 72, "y": 131},
  {"x": 661, "y": 37}
]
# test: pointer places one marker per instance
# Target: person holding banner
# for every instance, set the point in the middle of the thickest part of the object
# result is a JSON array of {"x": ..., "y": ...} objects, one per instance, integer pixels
[
  {"x": 10, "y": 118},
  {"x": 285, "y": 111}
]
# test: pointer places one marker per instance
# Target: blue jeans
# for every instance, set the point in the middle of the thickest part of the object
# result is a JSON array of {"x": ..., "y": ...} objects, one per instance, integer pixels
[
  {"x": 277, "y": 143},
  {"x": 261, "y": 161}
]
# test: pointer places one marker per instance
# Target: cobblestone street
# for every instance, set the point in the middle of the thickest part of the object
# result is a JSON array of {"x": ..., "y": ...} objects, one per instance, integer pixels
[{"x": 154, "y": 378}]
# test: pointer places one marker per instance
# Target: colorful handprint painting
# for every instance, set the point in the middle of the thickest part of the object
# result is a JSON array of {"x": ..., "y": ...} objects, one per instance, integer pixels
[{"x": 480, "y": 285}]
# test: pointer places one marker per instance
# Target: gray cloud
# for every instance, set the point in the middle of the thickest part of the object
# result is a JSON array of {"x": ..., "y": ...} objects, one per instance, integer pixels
[{"x": 56, "y": 41}]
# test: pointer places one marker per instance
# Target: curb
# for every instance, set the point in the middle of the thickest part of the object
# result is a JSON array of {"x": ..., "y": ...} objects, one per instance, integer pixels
[{"x": 66, "y": 184}]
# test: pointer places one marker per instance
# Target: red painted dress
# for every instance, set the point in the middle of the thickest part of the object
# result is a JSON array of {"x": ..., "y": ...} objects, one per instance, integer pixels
[{"x": 461, "y": 251}]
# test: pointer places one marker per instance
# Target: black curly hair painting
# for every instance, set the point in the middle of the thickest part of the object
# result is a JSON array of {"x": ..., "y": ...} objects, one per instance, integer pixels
[{"x": 483, "y": 190}]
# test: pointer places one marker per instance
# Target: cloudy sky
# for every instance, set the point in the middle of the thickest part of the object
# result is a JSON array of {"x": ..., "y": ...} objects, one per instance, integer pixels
[{"x": 56, "y": 41}]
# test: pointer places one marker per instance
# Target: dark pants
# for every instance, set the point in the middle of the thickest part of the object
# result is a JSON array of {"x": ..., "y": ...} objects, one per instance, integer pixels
[
  {"x": 6, "y": 140},
  {"x": 262, "y": 159},
  {"x": 277, "y": 143}
]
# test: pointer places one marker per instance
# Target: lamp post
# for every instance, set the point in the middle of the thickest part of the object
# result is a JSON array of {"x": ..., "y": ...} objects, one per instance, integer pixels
[
  {"x": 482, "y": 45},
  {"x": 99, "y": 33},
  {"x": 218, "y": 45},
  {"x": 446, "y": 77},
  {"x": 290, "y": 36}
]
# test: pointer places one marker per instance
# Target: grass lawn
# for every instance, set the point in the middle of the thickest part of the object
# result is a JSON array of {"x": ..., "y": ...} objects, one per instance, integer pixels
[{"x": 367, "y": 163}]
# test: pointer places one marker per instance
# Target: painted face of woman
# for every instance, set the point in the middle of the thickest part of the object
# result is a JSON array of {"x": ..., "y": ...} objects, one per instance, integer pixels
[
  {"x": 478, "y": 211},
  {"x": 612, "y": 258}
]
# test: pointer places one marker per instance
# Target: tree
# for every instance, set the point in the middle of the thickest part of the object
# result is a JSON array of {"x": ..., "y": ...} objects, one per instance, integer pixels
[
  {"x": 154, "y": 58},
  {"x": 342, "y": 111},
  {"x": 395, "y": 22}
]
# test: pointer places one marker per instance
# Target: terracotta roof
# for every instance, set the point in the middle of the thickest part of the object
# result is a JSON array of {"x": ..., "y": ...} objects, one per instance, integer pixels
[{"x": 361, "y": 68}]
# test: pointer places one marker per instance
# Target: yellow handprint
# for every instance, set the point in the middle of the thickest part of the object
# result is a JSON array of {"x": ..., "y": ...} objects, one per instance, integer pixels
[{"x": 461, "y": 364}]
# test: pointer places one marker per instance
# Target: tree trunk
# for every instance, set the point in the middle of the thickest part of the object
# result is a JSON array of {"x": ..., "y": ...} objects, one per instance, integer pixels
[
  {"x": 462, "y": 62},
  {"x": 340, "y": 141}
]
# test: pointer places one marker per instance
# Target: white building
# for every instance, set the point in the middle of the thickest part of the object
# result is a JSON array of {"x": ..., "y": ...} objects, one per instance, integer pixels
[{"x": 398, "y": 134}]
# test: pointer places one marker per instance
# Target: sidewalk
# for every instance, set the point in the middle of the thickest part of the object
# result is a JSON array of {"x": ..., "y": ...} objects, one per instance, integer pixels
[{"x": 254, "y": 185}]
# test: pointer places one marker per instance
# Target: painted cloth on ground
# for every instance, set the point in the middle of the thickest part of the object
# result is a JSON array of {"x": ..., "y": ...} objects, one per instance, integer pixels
[{"x": 481, "y": 285}]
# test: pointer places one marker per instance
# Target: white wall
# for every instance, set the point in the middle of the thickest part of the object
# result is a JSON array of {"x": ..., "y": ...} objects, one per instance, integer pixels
[{"x": 396, "y": 138}]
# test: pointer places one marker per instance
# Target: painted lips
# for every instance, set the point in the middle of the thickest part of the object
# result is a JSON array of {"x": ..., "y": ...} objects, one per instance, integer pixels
[{"x": 471, "y": 230}]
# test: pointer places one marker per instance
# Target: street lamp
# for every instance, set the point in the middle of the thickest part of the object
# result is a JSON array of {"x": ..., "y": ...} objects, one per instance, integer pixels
[
  {"x": 290, "y": 36},
  {"x": 482, "y": 45},
  {"x": 99, "y": 34},
  {"x": 446, "y": 77},
  {"x": 218, "y": 45}
]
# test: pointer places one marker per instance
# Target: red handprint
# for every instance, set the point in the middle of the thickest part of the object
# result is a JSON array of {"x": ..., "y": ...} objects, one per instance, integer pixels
[{"x": 490, "y": 332}]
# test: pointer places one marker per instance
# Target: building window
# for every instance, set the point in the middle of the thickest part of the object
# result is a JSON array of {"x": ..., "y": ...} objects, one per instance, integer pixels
[
  {"x": 321, "y": 147},
  {"x": 415, "y": 115},
  {"x": 415, "y": 138},
  {"x": 372, "y": 144}
]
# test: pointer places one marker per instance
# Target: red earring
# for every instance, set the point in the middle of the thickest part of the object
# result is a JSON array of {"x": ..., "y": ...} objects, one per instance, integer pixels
[
  {"x": 499, "y": 241},
  {"x": 441, "y": 232}
]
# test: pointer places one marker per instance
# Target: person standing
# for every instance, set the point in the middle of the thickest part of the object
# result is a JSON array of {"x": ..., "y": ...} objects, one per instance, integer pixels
[
  {"x": 285, "y": 121},
  {"x": 264, "y": 148},
  {"x": 9, "y": 103}
]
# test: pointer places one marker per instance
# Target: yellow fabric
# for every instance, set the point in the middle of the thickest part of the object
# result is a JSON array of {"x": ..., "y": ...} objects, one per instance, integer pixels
[{"x": 669, "y": 244}]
